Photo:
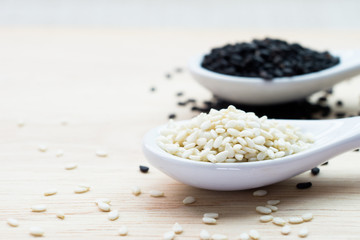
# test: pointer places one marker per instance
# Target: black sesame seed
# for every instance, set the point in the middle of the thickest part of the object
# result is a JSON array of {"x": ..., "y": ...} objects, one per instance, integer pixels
[
  {"x": 340, "y": 114},
  {"x": 191, "y": 100},
  {"x": 339, "y": 103},
  {"x": 179, "y": 94},
  {"x": 325, "y": 163},
  {"x": 172, "y": 116},
  {"x": 357, "y": 150},
  {"x": 144, "y": 169},
  {"x": 330, "y": 91},
  {"x": 303, "y": 185},
  {"x": 153, "y": 89},
  {"x": 168, "y": 75},
  {"x": 315, "y": 171},
  {"x": 182, "y": 103}
]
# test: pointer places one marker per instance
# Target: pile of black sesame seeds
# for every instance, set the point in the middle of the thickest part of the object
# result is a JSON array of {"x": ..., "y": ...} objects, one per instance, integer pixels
[{"x": 267, "y": 59}]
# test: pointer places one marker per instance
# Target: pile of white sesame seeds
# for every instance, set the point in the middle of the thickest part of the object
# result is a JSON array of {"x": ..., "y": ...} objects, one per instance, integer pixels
[{"x": 231, "y": 135}]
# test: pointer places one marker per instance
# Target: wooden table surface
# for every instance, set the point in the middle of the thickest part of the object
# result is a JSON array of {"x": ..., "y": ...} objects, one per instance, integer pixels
[{"x": 99, "y": 80}]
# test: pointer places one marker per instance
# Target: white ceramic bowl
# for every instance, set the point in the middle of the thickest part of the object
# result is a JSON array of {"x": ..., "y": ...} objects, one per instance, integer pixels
[{"x": 257, "y": 91}]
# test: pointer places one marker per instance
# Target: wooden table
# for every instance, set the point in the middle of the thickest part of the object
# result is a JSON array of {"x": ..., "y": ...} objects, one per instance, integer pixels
[{"x": 98, "y": 81}]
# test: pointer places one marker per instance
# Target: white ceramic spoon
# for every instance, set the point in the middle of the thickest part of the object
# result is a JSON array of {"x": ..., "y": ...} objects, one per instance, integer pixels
[
  {"x": 257, "y": 91},
  {"x": 333, "y": 137}
]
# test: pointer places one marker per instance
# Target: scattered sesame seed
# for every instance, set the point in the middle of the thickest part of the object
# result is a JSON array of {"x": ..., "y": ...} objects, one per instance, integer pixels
[
  {"x": 307, "y": 217},
  {"x": 303, "y": 185},
  {"x": 64, "y": 122},
  {"x": 80, "y": 190},
  {"x": 177, "y": 228},
  {"x": 168, "y": 75},
  {"x": 172, "y": 116},
  {"x": 304, "y": 232},
  {"x": 123, "y": 231},
  {"x": 136, "y": 190},
  {"x": 179, "y": 94},
  {"x": 325, "y": 163},
  {"x": 204, "y": 235},
  {"x": 84, "y": 185},
  {"x": 295, "y": 220},
  {"x": 38, "y": 208},
  {"x": 103, "y": 206},
  {"x": 263, "y": 210},
  {"x": 254, "y": 234},
  {"x": 60, "y": 215},
  {"x": 152, "y": 89},
  {"x": 36, "y": 231},
  {"x": 209, "y": 220},
  {"x": 113, "y": 215},
  {"x": 59, "y": 153},
  {"x": 169, "y": 236},
  {"x": 156, "y": 193},
  {"x": 51, "y": 191},
  {"x": 21, "y": 123},
  {"x": 70, "y": 166},
  {"x": 266, "y": 218},
  {"x": 101, "y": 153},
  {"x": 273, "y": 208},
  {"x": 12, "y": 222},
  {"x": 143, "y": 169},
  {"x": 189, "y": 200},
  {"x": 244, "y": 236},
  {"x": 285, "y": 230},
  {"x": 42, "y": 148},
  {"x": 219, "y": 237},
  {"x": 260, "y": 193},
  {"x": 211, "y": 215},
  {"x": 273, "y": 202},
  {"x": 315, "y": 171},
  {"x": 279, "y": 221}
]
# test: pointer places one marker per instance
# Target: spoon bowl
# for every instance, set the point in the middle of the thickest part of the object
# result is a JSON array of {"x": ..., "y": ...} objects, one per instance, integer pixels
[
  {"x": 332, "y": 137},
  {"x": 257, "y": 91}
]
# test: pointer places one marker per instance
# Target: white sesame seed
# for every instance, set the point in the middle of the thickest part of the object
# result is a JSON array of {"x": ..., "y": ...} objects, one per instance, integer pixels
[
  {"x": 279, "y": 221},
  {"x": 59, "y": 153},
  {"x": 123, "y": 231},
  {"x": 101, "y": 153},
  {"x": 273, "y": 202},
  {"x": 295, "y": 220},
  {"x": 303, "y": 232},
  {"x": 51, "y": 191},
  {"x": 209, "y": 220},
  {"x": 285, "y": 230},
  {"x": 136, "y": 190},
  {"x": 71, "y": 166},
  {"x": 169, "y": 236},
  {"x": 84, "y": 185},
  {"x": 254, "y": 234},
  {"x": 273, "y": 208},
  {"x": 104, "y": 200},
  {"x": 38, "y": 208},
  {"x": 263, "y": 210},
  {"x": 36, "y": 231},
  {"x": 307, "y": 217},
  {"x": 260, "y": 193},
  {"x": 156, "y": 193},
  {"x": 103, "y": 206},
  {"x": 266, "y": 218},
  {"x": 12, "y": 222},
  {"x": 211, "y": 215},
  {"x": 42, "y": 148},
  {"x": 204, "y": 235},
  {"x": 20, "y": 123},
  {"x": 80, "y": 190},
  {"x": 244, "y": 236},
  {"x": 177, "y": 228},
  {"x": 64, "y": 122},
  {"x": 218, "y": 237},
  {"x": 60, "y": 214},
  {"x": 189, "y": 200},
  {"x": 113, "y": 215}
]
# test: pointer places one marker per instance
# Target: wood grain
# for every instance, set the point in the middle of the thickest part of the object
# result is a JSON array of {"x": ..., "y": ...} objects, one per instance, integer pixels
[{"x": 100, "y": 80}]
